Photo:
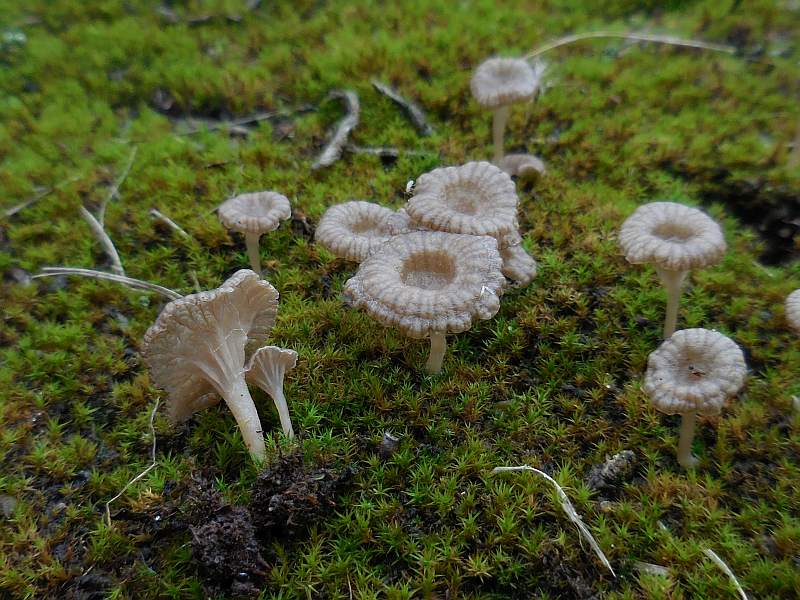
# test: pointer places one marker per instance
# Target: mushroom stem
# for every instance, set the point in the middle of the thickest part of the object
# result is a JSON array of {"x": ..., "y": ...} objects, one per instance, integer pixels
[
  {"x": 238, "y": 399},
  {"x": 251, "y": 241},
  {"x": 499, "y": 120},
  {"x": 283, "y": 410},
  {"x": 438, "y": 348},
  {"x": 685, "y": 457},
  {"x": 673, "y": 282}
]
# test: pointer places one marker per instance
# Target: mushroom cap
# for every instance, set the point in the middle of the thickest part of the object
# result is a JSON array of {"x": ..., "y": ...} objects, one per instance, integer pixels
[
  {"x": 199, "y": 340},
  {"x": 427, "y": 282},
  {"x": 399, "y": 222},
  {"x": 353, "y": 230},
  {"x": 793, "y": 309},
  {"x": 476, "y": 199},
  {"x": 695, "y": 370},
  {"x": 671, "y": 236},
  {"x": 257, "y": 212},
  {"x": 525, "y": 166},
  {"x": 501, "y": 81},
  {"x": 518, "y": 265},
  {"x": 268, "y": 365}
]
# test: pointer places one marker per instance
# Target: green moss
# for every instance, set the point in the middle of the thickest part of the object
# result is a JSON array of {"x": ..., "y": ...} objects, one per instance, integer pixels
[{"x": 553, "y": 380}]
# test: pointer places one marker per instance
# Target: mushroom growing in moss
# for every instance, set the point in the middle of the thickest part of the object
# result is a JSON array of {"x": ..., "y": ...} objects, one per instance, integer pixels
[
  {"x": 497, "y": 84},
  {"x": 675, "y": 238},
  {"x": 353, "y": 230},
  {"x": 428, "y": 284},
  {"x": 197, "y": 348},
  {"x": 693, "y": 372},
  {"x": 266, "y": 369},
  {"x": 253, "y": 215},
  {"x": 793, "y": 309}
]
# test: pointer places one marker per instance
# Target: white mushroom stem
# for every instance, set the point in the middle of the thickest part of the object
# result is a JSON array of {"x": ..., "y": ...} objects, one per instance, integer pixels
[
  {"x": 238, "y": 399},
  {"x": 685, "y": 457},
  {"x": 499, "y": 121},
  {"x": 438, "y": 349},
  {"x": 251, "y": 241},
  {"x": 673, "y": 282},
  {"x": 267, "y": 369}
]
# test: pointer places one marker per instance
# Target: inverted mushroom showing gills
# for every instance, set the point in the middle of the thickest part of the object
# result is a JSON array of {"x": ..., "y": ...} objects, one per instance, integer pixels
[
  {"x": 793, "y": 310},
  {"x": 675, "y": 238},
  {"x": 428, "y": 284},
  {"x": 196, "y": 350},
  {"x": 497, "y": 84},
  {"x": 253, "y": 215},
  {"x": 353, "y": 230},
  {"x": 266, "y": 369},
  {"x": 693, "y": 372}
]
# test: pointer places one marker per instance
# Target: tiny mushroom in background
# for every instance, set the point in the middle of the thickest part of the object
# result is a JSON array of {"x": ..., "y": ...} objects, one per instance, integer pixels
[
  {"x": 253, "y": 215},
  {"x": 675, "y": 238},
  {"x": 266, "y": 369},
  {"x": 524, "y": 166},
  {"x": 196, "y": 350},
  {"x": 474, "y": 199},
  {"x": 793, "y": 310},
  {"x": 353, "y": 230},
  {"x": 693, "y": 372},
  {"x": 428, "y": 284},
  {"x": 497, "y": 84}
]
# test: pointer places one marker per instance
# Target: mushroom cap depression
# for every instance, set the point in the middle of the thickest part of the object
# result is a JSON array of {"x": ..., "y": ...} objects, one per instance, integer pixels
[
  {"x": 427, "y": 282},
  {"x": 695, "y": 370},
  {"x": 353, "y": 230},
  {"x": 476, "y": 199},
  {"x": 257, "y": 212},
  {"x": 793, "y": 310},
  {"x": 502, "y": 81},
  {"x": 198, "y": 339},
  {"x": 671, "y": 236}
]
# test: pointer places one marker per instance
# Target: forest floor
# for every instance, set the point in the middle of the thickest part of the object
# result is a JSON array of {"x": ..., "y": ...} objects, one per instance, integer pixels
[{"x": 160, "y": 100}]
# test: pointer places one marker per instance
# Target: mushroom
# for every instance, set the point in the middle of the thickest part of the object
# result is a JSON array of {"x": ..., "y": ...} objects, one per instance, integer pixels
[
  {"x": 525, "y": 166},
  {"x": 793, "y": 309},
  {"x": 253, "y": 215},
  {"x": 498, "y": 83},
  {"x": 197, "y": 347},
  {"x": 428, "y": 284},
  {"x": 675, "y": 238},
  {"x": 266, "y": 369},
  {"x": 693, "y": 372},
  {"x": 353, "y": 230}
]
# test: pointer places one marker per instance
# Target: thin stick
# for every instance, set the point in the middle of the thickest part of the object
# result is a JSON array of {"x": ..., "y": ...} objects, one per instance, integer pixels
[
  {"x": 411, "y": 108},
  {"x": 136, "y": 284},
  {"x": 641, "y": 37},
  {"x": 143, "y": 473},
  {"x": 333, "y": 149},
  {"x": 105, "y": 241},
  {"x": 254, "y": 118},
  {"x": 162, "y": 218},
  {"x": 40, "y": 193},
  {"x": 568, "y": 508},
  {"x": 725, "y": 569},
  {"x": 113, "y": 191},
  {"x": 382, "y": 151}
]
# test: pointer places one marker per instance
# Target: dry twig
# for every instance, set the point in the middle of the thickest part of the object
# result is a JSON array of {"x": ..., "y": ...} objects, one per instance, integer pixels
[
  {"x": 568, "y": 508},
  {"x": 137, "y": 284},
  {"x": 381, "y": 151},
  {"x": 39, "y": 194},
  {"x": 333, "y": 149},
  {"x": 162, "y": 218},
  {"x": 113, "y": 191},
  {"x": 412, "y": 109},
  {"x": 105, "y": 241},
  {"x": 143, "y": 473},
  {"x": 725, "y": 569}
]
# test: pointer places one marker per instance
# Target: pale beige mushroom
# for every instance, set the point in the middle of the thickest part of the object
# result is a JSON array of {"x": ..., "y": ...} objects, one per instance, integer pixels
[
  {"x": 524, "y": 166},
  {"x": 428, "y": 284},
  {"x": 498, "y": 83},
  {"x": 266, "y": 369},
  {"x": 693, "y": 372},
  {"x": 353, "y": 230},
  {"x": 793, "y": 310},
  {"x": 197, "y": 348},
  {"x": 675, "y": 238},
  {"x": 253, "y": 215}
]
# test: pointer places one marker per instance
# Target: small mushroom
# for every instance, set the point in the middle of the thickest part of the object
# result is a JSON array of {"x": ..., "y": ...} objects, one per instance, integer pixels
[
  {"x": 793, "y": 310},
  {"x": 253, "y": 215},
  {"x": 524, "y": 166},
  {"x": 693, "y": 372},
  {"x": 266, "y": 369},
  {"x": 675, "y": 238},
  {"x": 498, "y": 83},
  {"x": 353, "y": 230},
  {"x": 428, "y": 284},
  {"x": 196, "y": 350}
]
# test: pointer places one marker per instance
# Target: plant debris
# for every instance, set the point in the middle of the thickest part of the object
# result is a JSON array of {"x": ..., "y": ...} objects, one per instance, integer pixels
[
  {"x": 412, "y": 109},
  {"x": 613, "y": 471},
  {"x": 333, "y": 149}
]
